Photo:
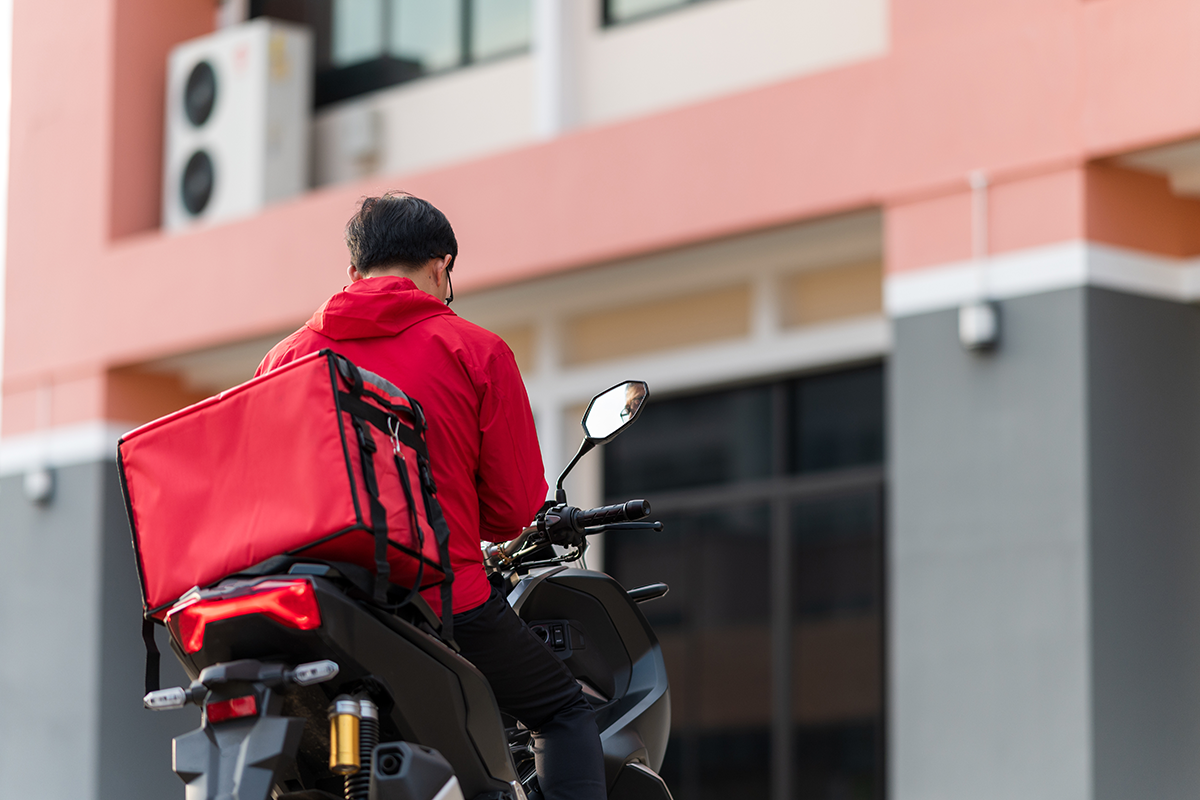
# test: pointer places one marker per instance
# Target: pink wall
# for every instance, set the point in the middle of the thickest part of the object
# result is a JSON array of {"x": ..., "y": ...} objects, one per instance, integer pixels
[
  {"x": 1028, "y": 90},
  {"x": 144, "y": 31}
]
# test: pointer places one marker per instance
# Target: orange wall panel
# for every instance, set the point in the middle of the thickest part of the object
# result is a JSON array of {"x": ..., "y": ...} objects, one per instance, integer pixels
[
  {"x": 1138, "y": 210},
  {"x": 133, "y": 395}
]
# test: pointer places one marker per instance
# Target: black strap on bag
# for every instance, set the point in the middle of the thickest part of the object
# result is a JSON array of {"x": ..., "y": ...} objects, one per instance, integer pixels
[
  {"x": 441, "y": 532},
  {"x": 376, "y": 416},
  {"x": 402, "y": 471},
  {"x": 361, "y": 411},
  {"x": 353, "y": 403},
  {"x": 347, "y": 370},
  {"x": 383, "y": 570},
  {"x": 153, "y": 657}
]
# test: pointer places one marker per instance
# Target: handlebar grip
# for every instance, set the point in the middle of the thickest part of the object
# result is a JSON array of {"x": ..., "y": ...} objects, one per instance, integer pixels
[{"x": 608, "y": 515}]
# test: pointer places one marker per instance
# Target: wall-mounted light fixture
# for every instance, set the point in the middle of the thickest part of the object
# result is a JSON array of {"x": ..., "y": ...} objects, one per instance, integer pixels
[
  {"x": 979, "y": 320},
  {"x": 39, "y": 485},
  {"x": 979, "y": 325}
]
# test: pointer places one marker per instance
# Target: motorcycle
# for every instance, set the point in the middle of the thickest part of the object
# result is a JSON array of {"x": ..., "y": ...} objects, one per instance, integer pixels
[{"x": 312, "y": 690}]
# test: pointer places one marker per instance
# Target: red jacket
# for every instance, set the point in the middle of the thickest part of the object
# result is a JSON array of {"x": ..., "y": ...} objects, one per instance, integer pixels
[{"x": 482, "y": 443}]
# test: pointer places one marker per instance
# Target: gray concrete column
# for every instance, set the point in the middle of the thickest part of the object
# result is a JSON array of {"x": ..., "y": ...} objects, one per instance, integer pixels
[
  {"x": 1044, "y": 562},
  {"x": 1144, "y": 510},
  {"x": 71, "y": 656}
]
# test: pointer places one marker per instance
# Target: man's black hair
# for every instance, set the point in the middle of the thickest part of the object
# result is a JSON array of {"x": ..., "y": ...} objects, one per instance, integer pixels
[{"x": 398, "y": 229}]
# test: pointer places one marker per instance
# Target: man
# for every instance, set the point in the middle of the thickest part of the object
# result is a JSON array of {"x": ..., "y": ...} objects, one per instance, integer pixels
[{"x": 393, "y": 319}]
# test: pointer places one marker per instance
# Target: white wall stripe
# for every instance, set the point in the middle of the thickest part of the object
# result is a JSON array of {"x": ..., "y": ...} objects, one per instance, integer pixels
[
  {"x": 702, "y": 366},
  {"x": 1043, "y": 269},
  {"x": 64, "y": 446}
]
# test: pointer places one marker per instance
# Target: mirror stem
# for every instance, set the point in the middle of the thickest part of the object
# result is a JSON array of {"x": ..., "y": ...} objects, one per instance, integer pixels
[{"x": 560, "y": 494}]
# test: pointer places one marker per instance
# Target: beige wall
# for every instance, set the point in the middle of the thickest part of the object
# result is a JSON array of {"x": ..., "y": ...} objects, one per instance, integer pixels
[
  {"x": 822, "y": 295},
  {"x": 437, "y": 120},
  {"x": 663, "y": 324},
  {"x": 520, "y": 339},
  {"x": 720, "y": 47}
]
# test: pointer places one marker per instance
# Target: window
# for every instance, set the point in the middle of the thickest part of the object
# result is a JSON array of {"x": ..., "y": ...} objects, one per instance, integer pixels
[
  {"x": 771, "y": 498},
  {"x": 618, "y": 11},
  {"x": 364, "y": 45}
]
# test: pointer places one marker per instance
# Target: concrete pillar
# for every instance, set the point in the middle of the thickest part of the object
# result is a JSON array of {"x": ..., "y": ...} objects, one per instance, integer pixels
[
  {"x": 1144, "y": 511},
  {"x": 71, "y": 657},
  {"x": 558, "y": 29},
  {"x": 1045, "y": 597}
]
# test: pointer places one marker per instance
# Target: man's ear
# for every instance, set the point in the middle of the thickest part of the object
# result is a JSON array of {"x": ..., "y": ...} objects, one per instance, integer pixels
[
  {"x": 439, "y": 270},
  {"x": 354, "y": 274}
]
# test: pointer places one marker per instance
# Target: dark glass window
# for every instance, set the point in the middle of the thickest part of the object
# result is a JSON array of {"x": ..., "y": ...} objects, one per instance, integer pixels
[
  {"x": 837, "y": 644},
  {"x": 721, "y": 437},
  {"x": 364, "y": 45},
  {"x": 834, "y": 543},
  {"x": 837, "y": 420},
  {"x": 771, "y": 498},
  {"x": 714, "y": 627}
]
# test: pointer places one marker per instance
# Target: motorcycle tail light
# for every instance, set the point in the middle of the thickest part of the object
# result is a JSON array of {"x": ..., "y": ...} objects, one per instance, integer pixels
[
  {"x": 235, "y": 708},
  {"x": 290, "y": 603}
]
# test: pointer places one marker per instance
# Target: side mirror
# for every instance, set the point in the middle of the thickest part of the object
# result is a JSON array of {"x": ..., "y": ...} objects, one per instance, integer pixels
[
  {"x": 609, "y": 413},
  {"x": 613, "y": 411}
]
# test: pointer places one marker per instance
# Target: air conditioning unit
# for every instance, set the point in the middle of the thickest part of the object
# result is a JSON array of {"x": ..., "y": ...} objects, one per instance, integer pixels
[{"x": 239, "y": 104}]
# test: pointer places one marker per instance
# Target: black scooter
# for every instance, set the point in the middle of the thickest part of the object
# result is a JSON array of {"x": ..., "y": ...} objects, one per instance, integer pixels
[{"x": 313, "y": 691}]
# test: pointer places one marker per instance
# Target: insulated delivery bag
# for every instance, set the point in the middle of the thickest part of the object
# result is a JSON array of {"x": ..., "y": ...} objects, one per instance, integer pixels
[{"x": 316, "y": 459}]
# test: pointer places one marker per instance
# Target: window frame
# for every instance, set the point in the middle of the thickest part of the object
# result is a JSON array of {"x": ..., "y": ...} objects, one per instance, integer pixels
[
  {"x": 609, "y": 20},
  {"x": 337, "y": 84},
  {"x": 780, "y": 492}
]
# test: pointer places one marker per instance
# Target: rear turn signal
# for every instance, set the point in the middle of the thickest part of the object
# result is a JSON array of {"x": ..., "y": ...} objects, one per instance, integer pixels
[
  {"x": 290, "y": 603},
  {"x": 236, "y": 708},
  {"x": 166, "y": 698}
]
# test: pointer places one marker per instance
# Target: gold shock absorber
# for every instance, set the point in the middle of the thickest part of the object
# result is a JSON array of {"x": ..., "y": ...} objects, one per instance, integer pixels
[{"x": 344, "y": 757}]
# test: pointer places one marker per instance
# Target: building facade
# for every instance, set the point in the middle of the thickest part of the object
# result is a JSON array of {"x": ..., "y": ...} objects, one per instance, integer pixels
[{"x": 913, "y": 283}]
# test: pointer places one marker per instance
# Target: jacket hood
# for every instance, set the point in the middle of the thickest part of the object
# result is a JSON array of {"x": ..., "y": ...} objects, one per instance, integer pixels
[{"x": 372, "y": 307}]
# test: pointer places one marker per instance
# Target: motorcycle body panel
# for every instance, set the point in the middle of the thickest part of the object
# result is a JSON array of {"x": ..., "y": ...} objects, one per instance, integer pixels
[{"x": 612, "y": 650}]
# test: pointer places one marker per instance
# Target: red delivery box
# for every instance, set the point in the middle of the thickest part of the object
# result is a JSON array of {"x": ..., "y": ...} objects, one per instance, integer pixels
[{"x": 317, "y": 458}]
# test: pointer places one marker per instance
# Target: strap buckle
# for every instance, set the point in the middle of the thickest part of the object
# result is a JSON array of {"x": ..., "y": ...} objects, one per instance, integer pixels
[{"x": 393, "y": 424}]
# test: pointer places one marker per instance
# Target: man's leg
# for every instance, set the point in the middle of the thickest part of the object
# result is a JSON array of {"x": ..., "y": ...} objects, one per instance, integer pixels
[{"x": 533, "y": 685}]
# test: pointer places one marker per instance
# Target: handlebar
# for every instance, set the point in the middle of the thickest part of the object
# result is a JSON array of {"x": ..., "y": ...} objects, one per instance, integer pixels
[
  {"x": 509, "y": 548},
  {"x": 608, "y": 515},
  {"x": 573, "y": 522}
]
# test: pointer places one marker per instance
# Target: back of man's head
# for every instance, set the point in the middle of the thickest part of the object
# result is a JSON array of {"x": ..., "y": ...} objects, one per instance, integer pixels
[{"x": 398, "y": 230}]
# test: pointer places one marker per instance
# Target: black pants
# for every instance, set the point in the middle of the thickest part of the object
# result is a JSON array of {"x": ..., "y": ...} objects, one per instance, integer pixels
[{"x": 533, "y": 685}]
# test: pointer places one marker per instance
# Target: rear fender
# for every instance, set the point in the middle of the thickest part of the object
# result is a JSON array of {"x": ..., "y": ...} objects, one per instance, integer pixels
[{"x": 238, "y": 759}]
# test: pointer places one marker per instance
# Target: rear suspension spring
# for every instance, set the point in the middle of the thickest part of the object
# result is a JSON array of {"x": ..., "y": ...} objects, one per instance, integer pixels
[{"x": 358, "y": 785}]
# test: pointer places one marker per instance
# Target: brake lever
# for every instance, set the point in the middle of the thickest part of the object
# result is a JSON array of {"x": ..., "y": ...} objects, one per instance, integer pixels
[{"x": 625, "y": 526}]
